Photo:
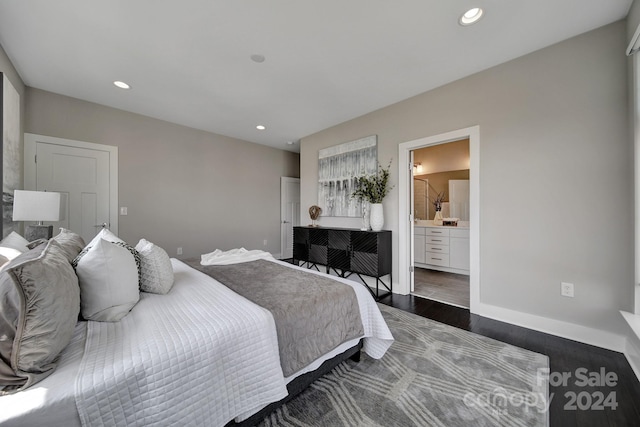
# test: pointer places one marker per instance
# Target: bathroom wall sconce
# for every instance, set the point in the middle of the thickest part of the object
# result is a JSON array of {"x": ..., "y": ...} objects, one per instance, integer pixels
[{"x": 417, "y": 168}]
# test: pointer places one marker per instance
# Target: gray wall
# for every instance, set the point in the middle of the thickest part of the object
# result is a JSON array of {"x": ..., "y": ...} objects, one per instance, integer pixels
[
  {"x": 633, "y": 19},
  {"x": 556, "y": 174},
  {"x": 7, "y": 68},
  {"x": 183, "y": 187}
]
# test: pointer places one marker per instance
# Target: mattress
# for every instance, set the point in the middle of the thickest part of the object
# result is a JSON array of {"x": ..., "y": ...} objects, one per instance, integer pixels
[{"x": 52, "y": 402}]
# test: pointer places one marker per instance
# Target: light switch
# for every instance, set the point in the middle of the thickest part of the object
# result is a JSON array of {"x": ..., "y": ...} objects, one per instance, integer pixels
[{"x": 123, "y": 210}]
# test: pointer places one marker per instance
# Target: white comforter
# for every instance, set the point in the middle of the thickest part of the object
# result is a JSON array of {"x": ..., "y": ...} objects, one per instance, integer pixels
[
  {"x": 174, "y": 360},
  {"x": 197, "y": 356},
  {"x": 233, "y": 256}
]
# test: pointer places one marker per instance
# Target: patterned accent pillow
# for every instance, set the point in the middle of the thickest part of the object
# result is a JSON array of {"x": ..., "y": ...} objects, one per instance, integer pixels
[{"x": 156, "y": 271}]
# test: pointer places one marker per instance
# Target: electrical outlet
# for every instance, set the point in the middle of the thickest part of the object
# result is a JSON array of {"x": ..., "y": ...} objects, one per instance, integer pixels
[
  {"x": 264, "y": 242},
  {"x": 566, "y": 289},
  {"x": 179, "y": 251}
]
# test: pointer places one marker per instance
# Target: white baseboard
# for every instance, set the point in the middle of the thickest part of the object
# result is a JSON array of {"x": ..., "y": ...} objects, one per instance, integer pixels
[
  {"x": 632, "y": 348},
  {"x": 632, "y": 353},
  {"x": 559, "y": 328},
  {"x": 629, "y": 346}
]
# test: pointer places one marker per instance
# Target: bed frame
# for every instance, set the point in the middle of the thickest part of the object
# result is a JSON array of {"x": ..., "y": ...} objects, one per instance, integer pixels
[{"x": 299, "y": 384}]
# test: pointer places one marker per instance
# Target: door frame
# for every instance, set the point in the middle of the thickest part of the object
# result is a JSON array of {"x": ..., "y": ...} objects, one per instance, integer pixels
[
  {"x": 283, "y": 181},
  {"x": 30, "y": 141},
  {"x": 405, "y": 220}
]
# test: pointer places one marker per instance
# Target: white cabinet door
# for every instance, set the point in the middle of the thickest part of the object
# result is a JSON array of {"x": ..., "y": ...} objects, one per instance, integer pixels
[
  {"x": 419, "y": 248},
  {"x": 459, "y": 253}
]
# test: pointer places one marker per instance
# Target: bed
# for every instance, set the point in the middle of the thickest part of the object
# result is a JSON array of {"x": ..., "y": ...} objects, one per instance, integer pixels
[{"x": 199, "y": 355}]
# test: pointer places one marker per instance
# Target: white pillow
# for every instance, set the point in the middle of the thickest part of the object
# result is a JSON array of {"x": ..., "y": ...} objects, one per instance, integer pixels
[
  {"x": 108, "y": 278},
  {"x": 107, "y": 235},
  {"x": 15, "y": 241},
  {"x": 9, "y": 253},
  {"x": 156, "y": 272}
]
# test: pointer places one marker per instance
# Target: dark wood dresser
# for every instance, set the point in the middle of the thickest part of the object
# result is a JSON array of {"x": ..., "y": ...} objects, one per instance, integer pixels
[{"x": 347, "y": 251}]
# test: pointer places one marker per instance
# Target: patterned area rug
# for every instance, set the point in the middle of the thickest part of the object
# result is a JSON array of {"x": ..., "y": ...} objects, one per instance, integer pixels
[{"x": 433, "y": 375}]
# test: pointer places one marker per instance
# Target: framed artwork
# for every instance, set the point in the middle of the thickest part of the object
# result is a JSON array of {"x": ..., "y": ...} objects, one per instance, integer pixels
[
  {"x": 339, "y": 167},
  {"x": 11, "y": 156}
]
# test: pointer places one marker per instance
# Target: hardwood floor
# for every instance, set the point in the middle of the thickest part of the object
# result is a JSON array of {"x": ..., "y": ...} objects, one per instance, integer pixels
[
  {"x": 441, "y": 286},
  {"x": 566, "y": 357}
]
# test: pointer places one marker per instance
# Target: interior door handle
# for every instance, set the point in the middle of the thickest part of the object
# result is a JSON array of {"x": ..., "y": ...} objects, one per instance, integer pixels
[
  {"x": 286, "y": 222},
  {"x": 103, "y": 225}
]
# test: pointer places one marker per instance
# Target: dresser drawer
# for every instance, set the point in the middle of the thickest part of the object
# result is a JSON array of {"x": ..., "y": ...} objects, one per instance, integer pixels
[
  {"x": 438, "y": 240},
  {"x": 438, "y": 249},
  {"x": 432, "y": 231},
  {"x": 437, "y": 259}
]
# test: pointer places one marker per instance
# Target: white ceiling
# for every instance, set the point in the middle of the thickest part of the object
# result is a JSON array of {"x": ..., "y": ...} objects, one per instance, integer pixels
[{"x": 328, "y": 61}]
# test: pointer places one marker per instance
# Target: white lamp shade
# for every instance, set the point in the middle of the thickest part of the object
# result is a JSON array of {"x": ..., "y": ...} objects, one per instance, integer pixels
[{"x": 36, "y": 206}]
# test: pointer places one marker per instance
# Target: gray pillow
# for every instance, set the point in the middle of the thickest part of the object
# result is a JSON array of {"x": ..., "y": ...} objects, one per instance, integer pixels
[
  {"x": 71, "y": 242},
  {"x": 39, "y": 305}
]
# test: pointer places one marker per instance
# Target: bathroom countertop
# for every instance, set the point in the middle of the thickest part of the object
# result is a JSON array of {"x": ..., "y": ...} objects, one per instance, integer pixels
[{"x": 429, "y": 223}]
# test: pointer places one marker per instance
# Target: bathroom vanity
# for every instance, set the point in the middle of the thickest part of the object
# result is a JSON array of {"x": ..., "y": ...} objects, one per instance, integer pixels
[{"x": 441, "y": 247}]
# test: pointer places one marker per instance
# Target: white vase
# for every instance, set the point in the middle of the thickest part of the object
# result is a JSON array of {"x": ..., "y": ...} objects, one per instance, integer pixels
[
  {"x": 376, "y": 218},
  {"x": 365, "y": 216},
  {"x": 437, "y": 219}
]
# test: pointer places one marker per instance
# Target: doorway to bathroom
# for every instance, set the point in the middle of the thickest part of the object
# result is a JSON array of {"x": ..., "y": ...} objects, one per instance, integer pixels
[
  {"x": 440, "y": 201},
  {"x": 439, "y": 240}
]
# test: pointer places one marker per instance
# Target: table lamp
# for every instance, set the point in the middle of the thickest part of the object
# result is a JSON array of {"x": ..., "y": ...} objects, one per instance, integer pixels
[{"x": 36, "y": 206}]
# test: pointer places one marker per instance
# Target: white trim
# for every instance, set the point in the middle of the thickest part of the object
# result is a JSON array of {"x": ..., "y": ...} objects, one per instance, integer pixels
[
  {"x": 635, "y": 129},
  {"x": 632, "y": 347},
  {"x": 634, "y": 43},
  {"x": 442, "y": 301},
  {"x": 634, "y": 322},
  {"x": 632, "y": 353},
  {"x": 30, "y": 141},
  {"x": 404, "y": 221},
  {"x": 596, "y": 337}
]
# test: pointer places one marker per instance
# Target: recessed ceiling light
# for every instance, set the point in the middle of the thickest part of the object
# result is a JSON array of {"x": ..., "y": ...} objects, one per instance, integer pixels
[
  {"x": 257, "y": 58},
  {"x": 121, "y": 85},
  {"x": 471, "y": 16},
  {"x": 261, "y": 127}
]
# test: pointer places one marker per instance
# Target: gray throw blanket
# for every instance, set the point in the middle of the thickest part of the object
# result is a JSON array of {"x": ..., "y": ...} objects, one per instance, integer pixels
[{"x": 313, "y": 314}]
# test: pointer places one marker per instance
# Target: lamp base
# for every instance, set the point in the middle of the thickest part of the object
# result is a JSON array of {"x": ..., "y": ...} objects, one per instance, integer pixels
[{"x": 35, "y": 232}]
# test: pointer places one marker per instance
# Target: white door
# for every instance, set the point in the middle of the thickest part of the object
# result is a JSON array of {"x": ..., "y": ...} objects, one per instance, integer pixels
[
  {"x": 82, "y": 174},
  {"x": 289, "y": 214}
]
